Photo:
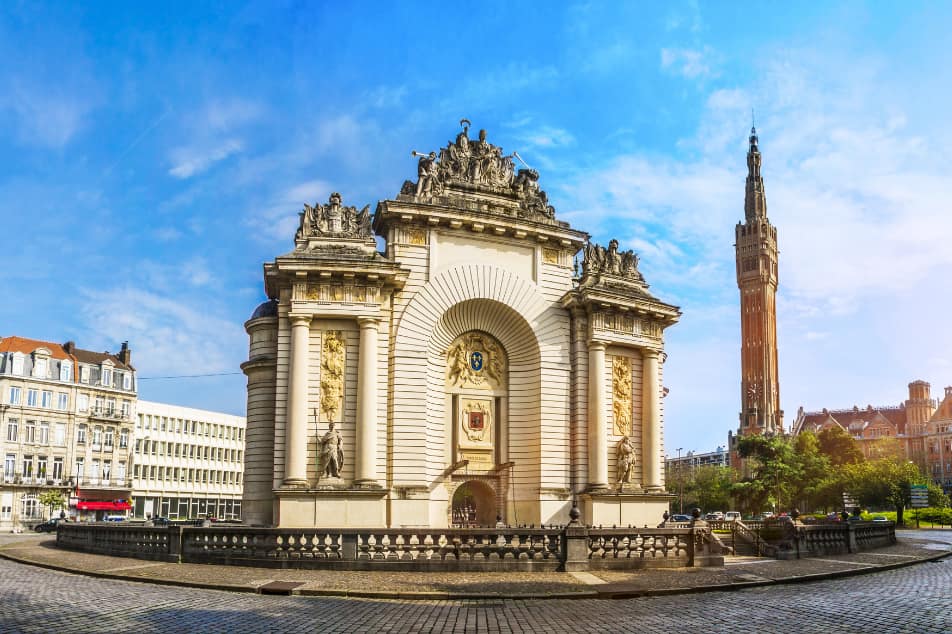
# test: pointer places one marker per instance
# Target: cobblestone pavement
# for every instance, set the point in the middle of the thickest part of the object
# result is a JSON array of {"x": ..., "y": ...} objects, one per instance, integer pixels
[{"x": 911, "y": 599}]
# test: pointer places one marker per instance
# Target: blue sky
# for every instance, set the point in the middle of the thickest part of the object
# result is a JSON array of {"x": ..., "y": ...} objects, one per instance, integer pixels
[{"x": 151, "y": 158}]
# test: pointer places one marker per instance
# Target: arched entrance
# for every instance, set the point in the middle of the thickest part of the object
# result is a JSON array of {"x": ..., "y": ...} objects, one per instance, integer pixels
[{"x": 474, "y": 504}]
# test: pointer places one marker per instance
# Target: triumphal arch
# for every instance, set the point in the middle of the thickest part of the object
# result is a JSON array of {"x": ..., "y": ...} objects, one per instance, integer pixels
[{"x": 459, "y": 357}]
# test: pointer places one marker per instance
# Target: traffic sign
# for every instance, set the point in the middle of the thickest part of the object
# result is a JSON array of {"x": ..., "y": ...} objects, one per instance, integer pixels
[{"x": 919, "y": 494}]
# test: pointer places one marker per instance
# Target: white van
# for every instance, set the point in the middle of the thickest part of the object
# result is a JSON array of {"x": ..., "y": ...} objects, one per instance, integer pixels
[{"x": 731, "y": 516}]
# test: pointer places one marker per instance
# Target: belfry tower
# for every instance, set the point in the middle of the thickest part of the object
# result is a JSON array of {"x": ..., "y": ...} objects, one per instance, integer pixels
[{"x": 756, "y": 253}]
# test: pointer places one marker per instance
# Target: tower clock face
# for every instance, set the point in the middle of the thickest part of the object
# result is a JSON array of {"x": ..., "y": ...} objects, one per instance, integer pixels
[{"x": 752, "y": 391}]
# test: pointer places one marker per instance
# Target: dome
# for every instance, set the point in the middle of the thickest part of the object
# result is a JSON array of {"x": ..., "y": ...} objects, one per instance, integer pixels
[{"x": 266, "y": 309}]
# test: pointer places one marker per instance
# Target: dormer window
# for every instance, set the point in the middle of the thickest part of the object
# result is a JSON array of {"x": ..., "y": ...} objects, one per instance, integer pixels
[
  {"x": 66, "y": 371},
  {"x": 84, "y": 374},
  {"x": 127, "y": 381},
  {"x": 41, "y": 363},
  {"x": 106, "y": 377},
  {"x": 18, "y": 363}
]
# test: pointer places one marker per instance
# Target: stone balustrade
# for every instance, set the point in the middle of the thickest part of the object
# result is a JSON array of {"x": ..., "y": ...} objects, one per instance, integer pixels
[{"x": 572, "y": 547}]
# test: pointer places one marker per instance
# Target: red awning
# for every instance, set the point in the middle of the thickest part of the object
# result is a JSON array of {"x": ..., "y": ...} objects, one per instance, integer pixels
[{"x": 103, "y": 506}]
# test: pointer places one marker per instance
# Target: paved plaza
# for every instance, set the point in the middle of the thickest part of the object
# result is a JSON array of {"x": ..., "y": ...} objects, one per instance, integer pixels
[{"x": 910, "y": 599}]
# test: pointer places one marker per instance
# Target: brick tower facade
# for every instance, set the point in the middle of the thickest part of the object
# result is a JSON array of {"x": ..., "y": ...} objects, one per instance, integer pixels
[{"x": 756, "y": 254}]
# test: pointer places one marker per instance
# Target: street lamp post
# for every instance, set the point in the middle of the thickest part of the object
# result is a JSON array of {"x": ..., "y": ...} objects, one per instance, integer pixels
[{"x": 680, "y": 484}]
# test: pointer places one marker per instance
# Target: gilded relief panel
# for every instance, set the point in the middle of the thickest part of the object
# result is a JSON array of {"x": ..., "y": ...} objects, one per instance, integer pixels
[
  {"x": 621, "y": 395},
  {"x": 332, "y": 375}
]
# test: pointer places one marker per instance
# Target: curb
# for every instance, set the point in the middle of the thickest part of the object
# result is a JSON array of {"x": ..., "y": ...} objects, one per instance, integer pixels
[{"x": 606, "y": 594}]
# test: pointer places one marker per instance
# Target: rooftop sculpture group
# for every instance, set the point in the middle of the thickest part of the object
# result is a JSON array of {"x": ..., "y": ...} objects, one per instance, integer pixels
[
  {"x": 479, "y": 163},
  {"x": 611, "y": 261},
  {"x": 334, "y": 220}
]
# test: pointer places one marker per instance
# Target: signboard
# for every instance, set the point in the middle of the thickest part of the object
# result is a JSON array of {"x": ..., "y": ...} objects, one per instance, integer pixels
[{"x": 920, "y": 496}]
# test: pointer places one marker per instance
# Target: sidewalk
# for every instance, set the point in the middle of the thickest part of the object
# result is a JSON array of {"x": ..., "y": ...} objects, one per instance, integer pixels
[{"x": 738, "y": 572}]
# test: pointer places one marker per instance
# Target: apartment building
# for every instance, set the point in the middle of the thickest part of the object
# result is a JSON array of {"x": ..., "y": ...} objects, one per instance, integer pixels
[
  {"x": 37, "y": 398},
  {"x": 188, "y": 463}
]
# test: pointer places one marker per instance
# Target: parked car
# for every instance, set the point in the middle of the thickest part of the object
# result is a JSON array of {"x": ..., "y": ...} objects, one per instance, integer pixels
[
  {"x": 880, "y": 518},
  {"x": 679, "y": 518},
  {"x": 48, "y": 526},
  {"x": 731, "y": 516}
]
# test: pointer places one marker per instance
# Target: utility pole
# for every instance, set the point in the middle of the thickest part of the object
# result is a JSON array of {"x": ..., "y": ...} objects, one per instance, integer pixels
[{"x": 680, "y": 484}]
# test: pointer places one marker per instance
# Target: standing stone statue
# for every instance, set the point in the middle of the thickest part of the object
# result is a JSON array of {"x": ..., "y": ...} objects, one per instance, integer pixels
[
  {"x": 624, "y": 460},
  {"x": 332, "y": 453}
]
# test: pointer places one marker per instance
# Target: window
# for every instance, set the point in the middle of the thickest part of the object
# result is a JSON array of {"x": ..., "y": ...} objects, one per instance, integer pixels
[
  {"x": 66, "y": 370},
  {"x": 80, "y": 465},
  {"x": 44, "y": 438},
  {"x": 106, "y": 377},
  {"x": 47, "y": 399},
  {"x": 6, "y": 512},
  {"x": 18, "y": 364},
  {"x": 84, "y": 374},
  {"x": 126, "y": 409},
  {"x": 14, "y": 396},
  {"x": 62, "y": 401},
  {"x": 97, "y": 435},
  {"x": 110, "y": 432},
  {"x": 81, "y": 434},
  {"x": 163, "y": 423},
  {"x": 94, "y": 470},
  {"x": 123, "y": 438},
  {"x": 31, "y": 398},
  {"x": 106, "y": 470},
  {"x": 9, "y": 466},
  {"x": 120, "y": 471},
  {"x": 27, "y": 466},
  {"x": 29, "y": 432},
  {"x": 82, "y": 402},
  {"x": 41, "y": 467},
  {"x": 110, "y": 406},
  {"x": 12, "y": 428},
  {"x": 31, "y": 507},
  {"x": 57, "y": 469},
  {"x": 135, "y": 471},
  {"x": 98, "y": 405},
  {"x": 127, "y": 381},
  {"x": 152, "y": 472},
  {"x": 41, "y": 367},
  {"x": 59, "y": 435}
]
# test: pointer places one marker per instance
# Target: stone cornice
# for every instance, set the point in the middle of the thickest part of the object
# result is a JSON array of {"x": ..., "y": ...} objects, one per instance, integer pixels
[
  {"x": 374, "y": 271},
  {"x": 476, "y": 220}
]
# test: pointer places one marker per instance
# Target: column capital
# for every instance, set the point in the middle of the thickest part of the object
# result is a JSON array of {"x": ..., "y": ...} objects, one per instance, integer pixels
[
  {"x": 650, "y": 353},
  {"x": 597, "y": 344},
  {"x": 297, "y": 320},
  {"x": 368, "y": 322}
]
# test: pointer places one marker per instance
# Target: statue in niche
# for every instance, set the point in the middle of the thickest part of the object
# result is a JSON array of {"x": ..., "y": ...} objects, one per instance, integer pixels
[
  {"x": 624, "y": 461},
  {"x": 332, "y": 453}
]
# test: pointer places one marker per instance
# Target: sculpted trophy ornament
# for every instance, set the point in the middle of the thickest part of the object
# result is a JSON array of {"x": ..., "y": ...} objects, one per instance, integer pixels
[
  {"x": 611, "y": 261},
  {"x": 334, "y": 220}
]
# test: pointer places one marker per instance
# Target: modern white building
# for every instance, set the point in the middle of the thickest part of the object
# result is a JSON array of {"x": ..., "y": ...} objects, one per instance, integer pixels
[{"x": 188, "y": 463}]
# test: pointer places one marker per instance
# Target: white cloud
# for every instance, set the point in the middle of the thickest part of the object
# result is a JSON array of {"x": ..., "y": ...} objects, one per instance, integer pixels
[
  {"x": 690, "y": 63},
  {"x": 277, "y": 218},
  {"x": 48, "y": 117},
  {"x": 168, "y": 336},
  {"x": 189, "y": 161}
]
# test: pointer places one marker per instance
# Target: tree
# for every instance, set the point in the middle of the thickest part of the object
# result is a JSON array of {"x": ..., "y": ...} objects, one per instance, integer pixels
[
  {"x": 810, "y": 468},
  {"x": 52, "y": 499},
  {"x": 709, "y": 487},
  {"x": 774, "y": 470},
  {"x": 883, "y": 482},
  {"x": 839, "y": 446}
]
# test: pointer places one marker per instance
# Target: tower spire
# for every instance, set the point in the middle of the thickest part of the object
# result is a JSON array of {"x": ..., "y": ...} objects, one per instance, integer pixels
[{"x": 755, "y": 201}]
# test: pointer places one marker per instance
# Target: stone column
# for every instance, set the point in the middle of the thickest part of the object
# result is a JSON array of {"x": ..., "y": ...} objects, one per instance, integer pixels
[
  {"x": 650, "y": 421},
  {"x": 597, "y": 441},
  {"x": 295, "y": 436},
  {"x": 366, "y": 459}
]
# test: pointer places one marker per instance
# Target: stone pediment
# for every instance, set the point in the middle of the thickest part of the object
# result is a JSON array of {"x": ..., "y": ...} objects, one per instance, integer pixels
[{"x": 477, "y": 175}]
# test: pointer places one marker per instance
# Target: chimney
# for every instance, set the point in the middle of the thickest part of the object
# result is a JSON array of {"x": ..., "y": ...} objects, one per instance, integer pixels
[
  {"x": 125, "y": 354},
  {"x": 69, "y": 347}
]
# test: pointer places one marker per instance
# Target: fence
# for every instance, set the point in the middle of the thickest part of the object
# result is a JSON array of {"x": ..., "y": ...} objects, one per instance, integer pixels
[
  {"x": 572, "y": 547},
  {"x": 785, "y": 539}
]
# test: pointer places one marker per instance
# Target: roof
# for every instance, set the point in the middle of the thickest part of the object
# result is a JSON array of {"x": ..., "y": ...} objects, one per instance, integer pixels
[
  {"x": 96, "y": 358},
  {"x": 845, "y": 417},
  {"x": 266, "y": 309},
  {"x": 27, "y": 346}
]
